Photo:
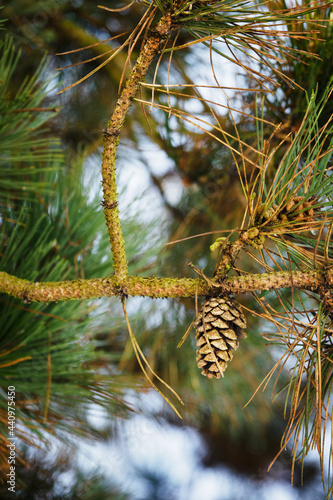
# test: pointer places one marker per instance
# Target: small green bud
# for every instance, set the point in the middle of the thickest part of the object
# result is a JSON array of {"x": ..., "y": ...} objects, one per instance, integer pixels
[
  {"x": 217, "y": 243},
  {"x": 252, "y": 232}
]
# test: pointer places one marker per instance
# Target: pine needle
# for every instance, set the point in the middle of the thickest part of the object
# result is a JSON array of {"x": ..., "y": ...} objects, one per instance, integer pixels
[
  {"x": 184, "y": 337},
  {"x": 96, "y": 69},
  {"x": 142, "y": 360},
  {"x": 121, "y": 9}
]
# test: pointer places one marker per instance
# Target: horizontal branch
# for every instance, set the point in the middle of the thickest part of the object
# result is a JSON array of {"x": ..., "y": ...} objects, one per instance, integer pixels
[{"x": 157, "y": 287}]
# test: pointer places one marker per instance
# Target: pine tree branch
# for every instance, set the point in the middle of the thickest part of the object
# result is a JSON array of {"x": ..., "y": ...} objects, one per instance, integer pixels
[
  {"x": 159, "y": 287},
  {"x": 111, "y": 140}
]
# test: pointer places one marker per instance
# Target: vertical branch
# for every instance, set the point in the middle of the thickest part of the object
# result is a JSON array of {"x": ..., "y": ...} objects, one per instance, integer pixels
[{"x": 150, "y": 48}]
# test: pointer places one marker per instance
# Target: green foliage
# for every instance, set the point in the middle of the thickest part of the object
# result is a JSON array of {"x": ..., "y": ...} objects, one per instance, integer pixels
[
  {"x": 48, "y": 352},
  {"x": 311, "y": 74},
  {"x": 25, "y": 151},
  {"x": 305, "y": 167},
  {"x": 239, "y": 26}
]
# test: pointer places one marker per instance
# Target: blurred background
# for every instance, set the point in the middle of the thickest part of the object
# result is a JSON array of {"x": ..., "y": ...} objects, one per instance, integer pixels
[{"x": 89, "y": 424}]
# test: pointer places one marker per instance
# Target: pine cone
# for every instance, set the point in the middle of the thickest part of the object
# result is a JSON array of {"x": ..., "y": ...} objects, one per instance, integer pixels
[{"x": 219, "y": 327}]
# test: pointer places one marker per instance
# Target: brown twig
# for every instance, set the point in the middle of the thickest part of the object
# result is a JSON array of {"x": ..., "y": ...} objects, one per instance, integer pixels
[{"x": 111, "y": 140}]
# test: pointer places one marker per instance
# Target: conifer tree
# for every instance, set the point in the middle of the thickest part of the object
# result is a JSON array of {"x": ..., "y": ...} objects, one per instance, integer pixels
[{"x": 55, "y": 246}]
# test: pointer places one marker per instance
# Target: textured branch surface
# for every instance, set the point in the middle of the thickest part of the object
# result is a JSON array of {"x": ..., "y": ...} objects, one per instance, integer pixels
[
  {"x": 111, "y": 141},
  {"x": 157, "y": 287}
]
